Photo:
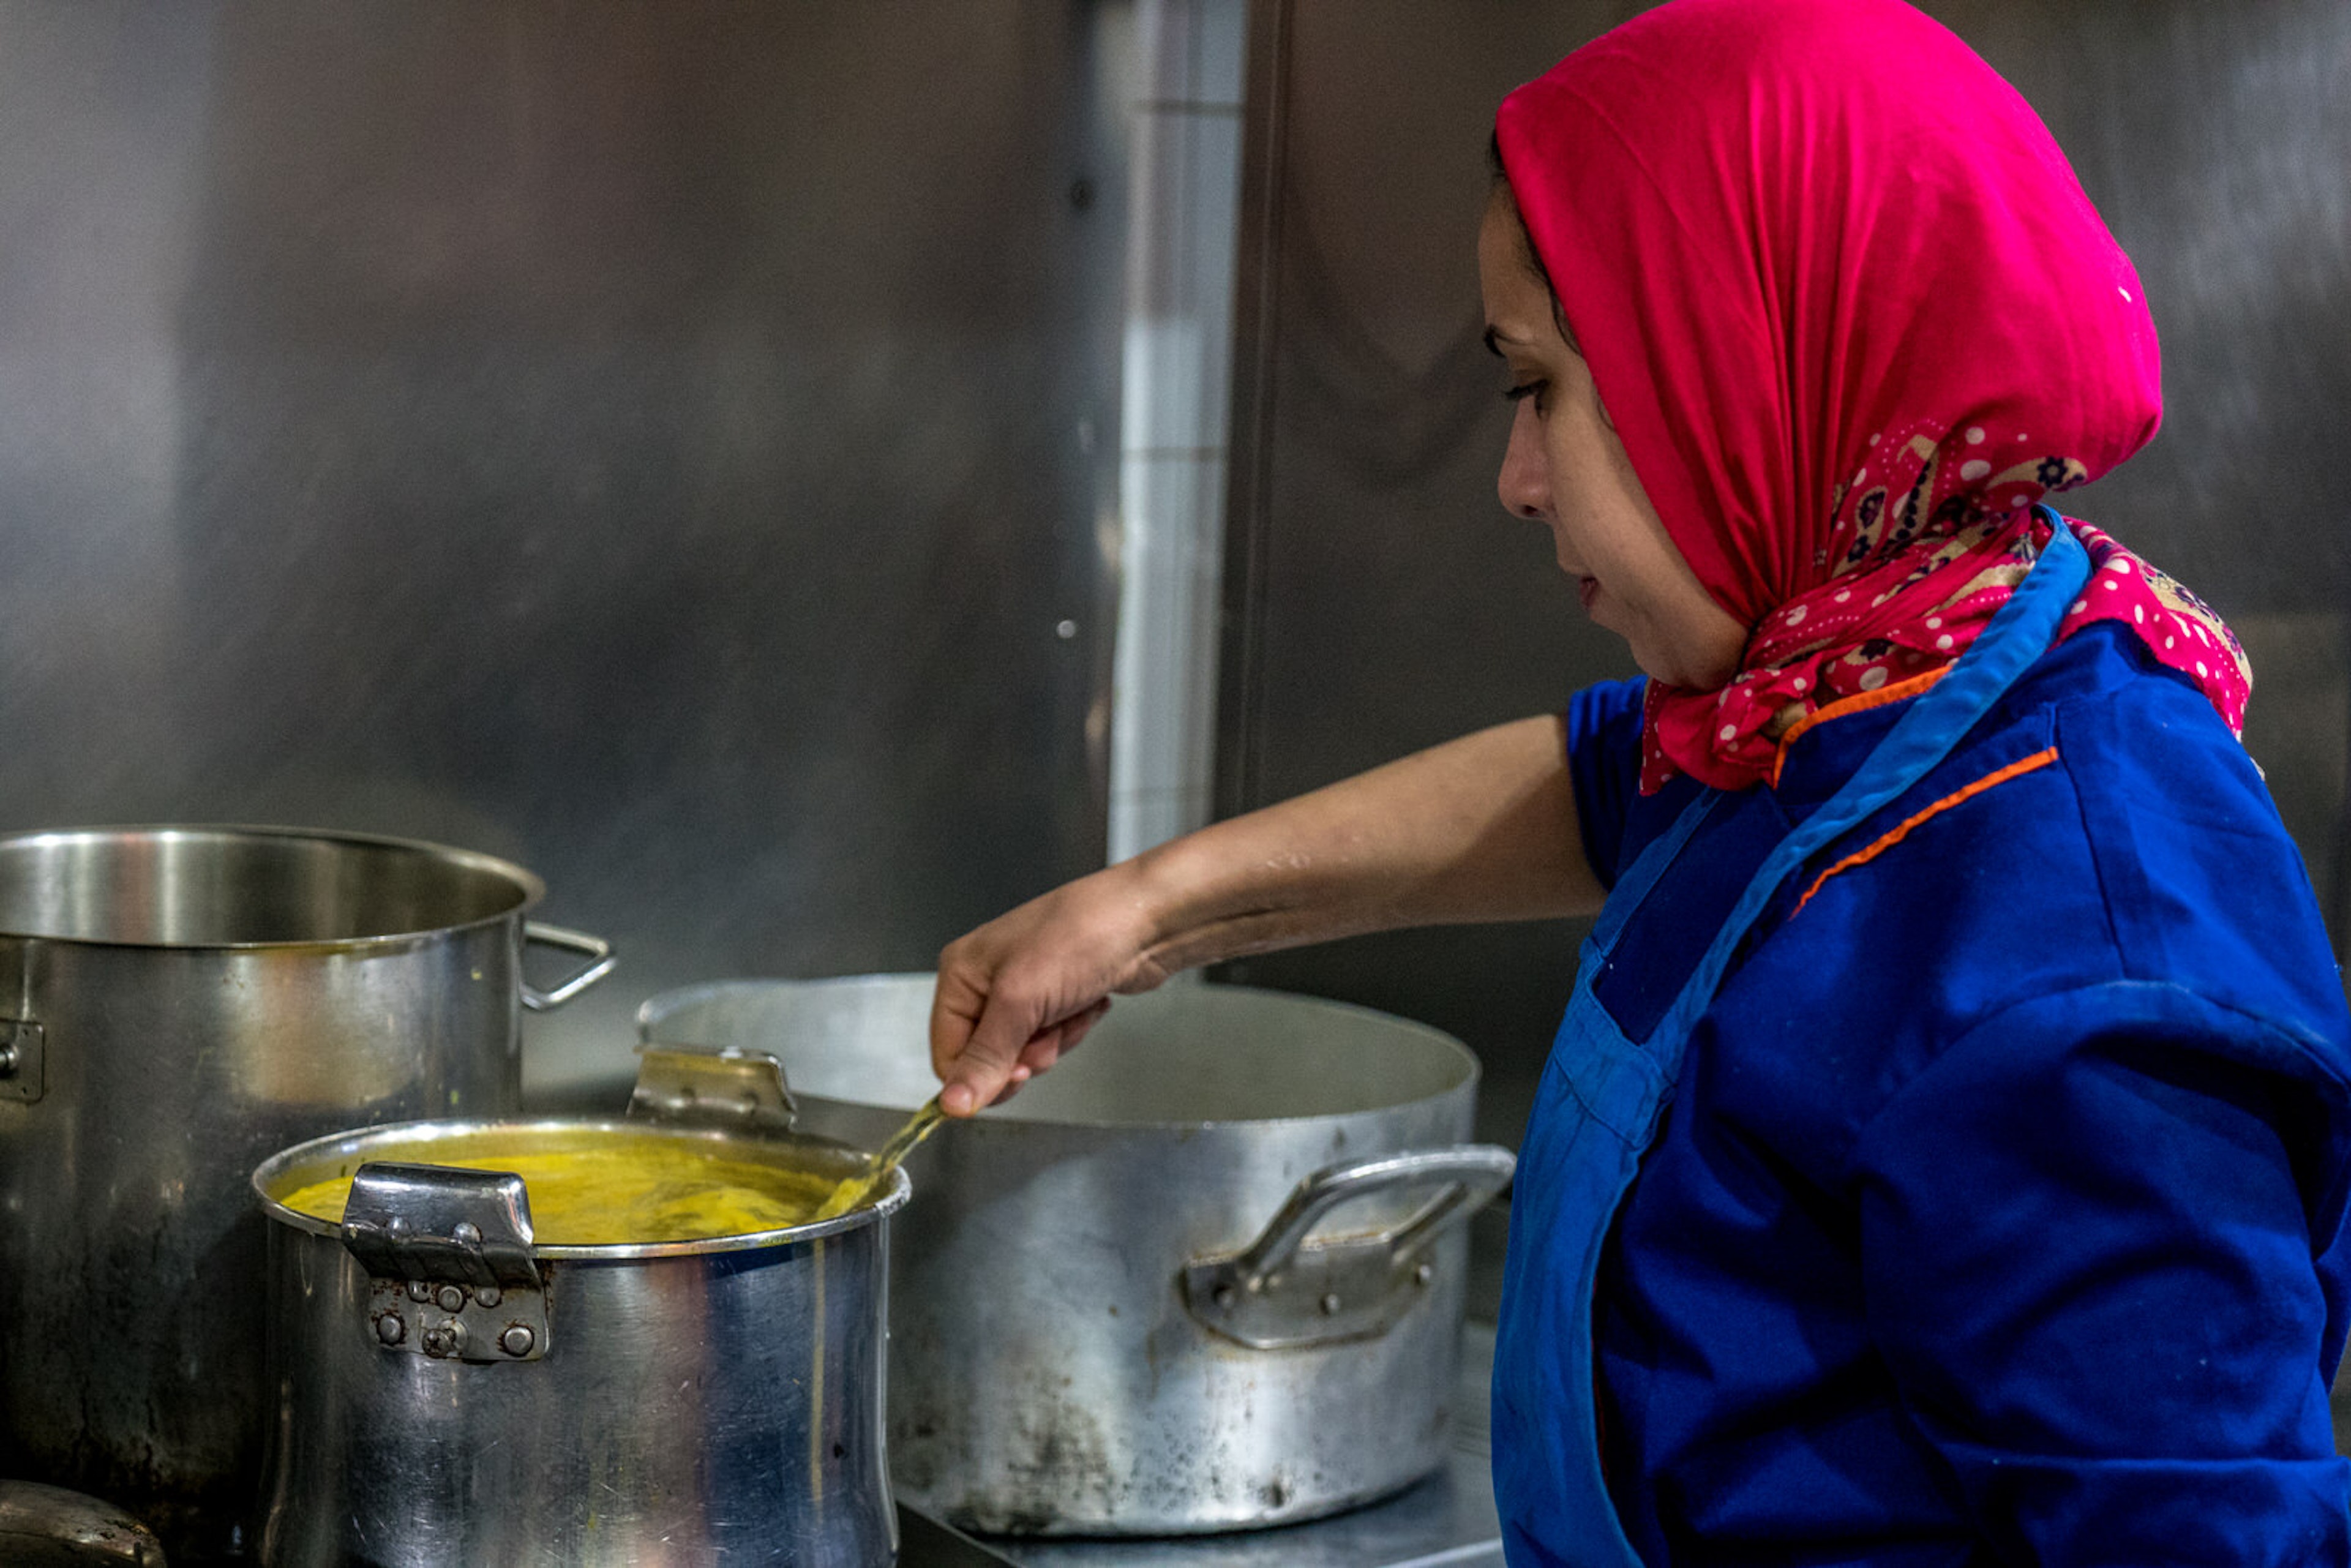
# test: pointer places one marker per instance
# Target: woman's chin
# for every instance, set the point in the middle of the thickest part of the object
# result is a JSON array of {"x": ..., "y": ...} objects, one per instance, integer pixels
[{"x": 1675, "y": 666}]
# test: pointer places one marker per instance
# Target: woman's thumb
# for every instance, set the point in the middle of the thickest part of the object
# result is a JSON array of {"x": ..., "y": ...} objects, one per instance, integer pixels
[{"x": 981, "y": 1066}]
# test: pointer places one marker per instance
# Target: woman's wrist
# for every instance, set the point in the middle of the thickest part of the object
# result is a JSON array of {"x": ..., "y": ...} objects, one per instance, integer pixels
[{"x": 1170, "y": 893}]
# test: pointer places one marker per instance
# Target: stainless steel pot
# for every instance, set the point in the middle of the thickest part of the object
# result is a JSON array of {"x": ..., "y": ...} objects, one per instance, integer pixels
[
  {"x": 1120, "y": 1304},
  {"x": 447, "y": 1399},
  {"x": 175, "y": 1004}
]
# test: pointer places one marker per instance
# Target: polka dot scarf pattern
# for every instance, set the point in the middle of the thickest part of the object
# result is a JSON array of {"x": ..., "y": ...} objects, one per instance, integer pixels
[
  {"x": 1931, "y": 592},
  {"x": 1852, "y": 317}
]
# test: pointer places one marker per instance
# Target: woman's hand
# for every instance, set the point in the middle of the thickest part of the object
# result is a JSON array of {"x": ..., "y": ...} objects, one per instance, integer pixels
[
  {"x": 1026, "y": 986},
  {"x": 1482, "y": 828}
]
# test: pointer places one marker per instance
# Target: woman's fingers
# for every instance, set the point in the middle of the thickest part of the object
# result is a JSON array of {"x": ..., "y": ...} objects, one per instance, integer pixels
[
  {"x": 1008, "y": 1040},
  {"x": 956, "y": 1003},
  {"x": 975, "y": 1056},
  {"x": 959, "y": 1005},
  {"x": 1001, "y": 1051},
  {"x": 1050, "y": 1045},
  {"x": 1016, "y": 993},
  {"x": 981, "y": 1024}
]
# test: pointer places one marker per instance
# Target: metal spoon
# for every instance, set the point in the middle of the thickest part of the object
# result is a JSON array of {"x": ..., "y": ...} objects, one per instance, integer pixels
[{"x": 856, "y": 1189}]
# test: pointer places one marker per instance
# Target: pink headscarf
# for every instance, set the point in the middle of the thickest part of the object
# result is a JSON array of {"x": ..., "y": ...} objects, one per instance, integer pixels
[{"x": 1852, "y": 315}]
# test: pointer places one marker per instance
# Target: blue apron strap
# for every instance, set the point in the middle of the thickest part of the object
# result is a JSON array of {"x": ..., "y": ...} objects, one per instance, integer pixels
[
  {"x": 1932, "y": 728},
  {"x": 1651, "y": 865}
]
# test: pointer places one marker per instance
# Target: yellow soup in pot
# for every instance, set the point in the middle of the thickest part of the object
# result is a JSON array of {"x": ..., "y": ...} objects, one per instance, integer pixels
[{"x": 613, "y": 1190}]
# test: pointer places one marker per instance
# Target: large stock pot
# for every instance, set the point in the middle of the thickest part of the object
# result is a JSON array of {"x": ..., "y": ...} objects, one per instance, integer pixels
[
  {"x": 1117, "y": 1305},
  {"x": 176, "y": 1003},
  {"x": 450, "y": 1390}
]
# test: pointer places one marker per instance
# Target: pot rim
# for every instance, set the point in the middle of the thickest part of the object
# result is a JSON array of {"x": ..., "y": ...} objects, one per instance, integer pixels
[
  {"x": 529, "y": 889},
  {"x": 272, "y": 1170},
  {"x": 1010, "y": 1115}
]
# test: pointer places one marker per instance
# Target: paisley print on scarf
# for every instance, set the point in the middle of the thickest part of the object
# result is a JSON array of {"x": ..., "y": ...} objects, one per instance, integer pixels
[{"x": 1920, "y": 565}]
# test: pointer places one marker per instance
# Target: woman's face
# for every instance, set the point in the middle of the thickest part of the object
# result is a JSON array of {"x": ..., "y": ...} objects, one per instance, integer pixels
[{"x": 1566, "y": 467}]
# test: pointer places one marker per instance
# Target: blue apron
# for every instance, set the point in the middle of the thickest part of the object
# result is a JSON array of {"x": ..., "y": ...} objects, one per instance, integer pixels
[{"x": 1602, "y": 1094}]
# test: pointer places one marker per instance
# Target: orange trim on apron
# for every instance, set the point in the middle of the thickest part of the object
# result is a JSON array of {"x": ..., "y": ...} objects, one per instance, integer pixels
[
  {"x": 1860, "y": 702},
  {"x": 1886, "y": 841}
]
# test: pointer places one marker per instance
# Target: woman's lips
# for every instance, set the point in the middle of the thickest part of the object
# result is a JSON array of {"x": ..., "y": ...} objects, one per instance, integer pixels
[{"x": 1587, "y": 586}]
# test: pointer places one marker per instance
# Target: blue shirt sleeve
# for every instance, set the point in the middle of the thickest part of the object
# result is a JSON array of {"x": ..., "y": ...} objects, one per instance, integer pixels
[
  {"x": 2091, "y": 1228},
  {"x": 1603, "y": 753}
]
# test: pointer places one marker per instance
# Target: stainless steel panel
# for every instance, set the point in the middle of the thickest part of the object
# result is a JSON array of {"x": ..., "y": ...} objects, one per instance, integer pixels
[
  {"x": 1377, "y": 597},
  {"x": 660, "y": 444}
]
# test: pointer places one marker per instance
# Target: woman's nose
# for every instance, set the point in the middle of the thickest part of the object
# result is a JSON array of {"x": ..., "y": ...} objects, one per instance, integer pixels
[{"x": 1525, "y": 481}]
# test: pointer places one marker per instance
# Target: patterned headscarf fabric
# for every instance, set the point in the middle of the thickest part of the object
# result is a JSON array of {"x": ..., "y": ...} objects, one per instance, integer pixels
[{"x": 1851, "y": 316}]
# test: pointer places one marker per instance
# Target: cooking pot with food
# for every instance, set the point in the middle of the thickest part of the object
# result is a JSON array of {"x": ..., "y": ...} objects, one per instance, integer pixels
[
  {"x": 575, "y": 1343},
  {"x": 176, "y": 1003},
  {"x": 1206, "y": 1274}
]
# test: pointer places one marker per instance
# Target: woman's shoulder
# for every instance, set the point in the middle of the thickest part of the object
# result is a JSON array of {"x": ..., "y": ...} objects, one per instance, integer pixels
[
  {"x": 2123, "y": 876},
  {"x": 2201, "y": 884},
  {"x": 2102, "y": 827}
]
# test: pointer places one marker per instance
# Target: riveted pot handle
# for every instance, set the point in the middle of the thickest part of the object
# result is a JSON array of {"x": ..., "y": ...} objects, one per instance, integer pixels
[
  {"x": 600, "y": 963},
  {"x": 1282, "y": 1292},
  {"x": 737, "y": 1090},
  {"x": 451, "y": 1271}
]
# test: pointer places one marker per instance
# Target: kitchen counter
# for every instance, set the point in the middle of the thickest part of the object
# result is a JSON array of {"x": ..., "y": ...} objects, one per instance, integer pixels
[{"x": 1445, "y": 1521}]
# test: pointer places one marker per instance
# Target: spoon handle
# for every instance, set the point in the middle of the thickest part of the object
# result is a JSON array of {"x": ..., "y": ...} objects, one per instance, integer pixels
[
  {"x": 856, "y": 1189},
  {"x": 902, "y": 1142}
]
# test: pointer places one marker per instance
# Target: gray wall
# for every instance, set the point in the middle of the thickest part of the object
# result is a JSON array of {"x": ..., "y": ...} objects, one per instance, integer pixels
[
  {"x": 661, "y": 443},
  {"x": 1379, "y": 600}
]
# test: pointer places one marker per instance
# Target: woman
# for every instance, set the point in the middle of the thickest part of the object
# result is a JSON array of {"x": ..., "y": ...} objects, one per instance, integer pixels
[{"x": 1943, "y": 1159}]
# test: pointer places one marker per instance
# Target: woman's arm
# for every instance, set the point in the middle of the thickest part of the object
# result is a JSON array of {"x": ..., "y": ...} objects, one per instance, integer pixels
[{"x": 1482, "y": 828}]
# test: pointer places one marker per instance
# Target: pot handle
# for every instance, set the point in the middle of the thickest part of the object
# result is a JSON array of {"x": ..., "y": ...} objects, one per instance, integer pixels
[
  {"x": 733, "y": 1089},
  {"x": 1282, "y": 1292},
  {"x": 452, "y": 1273},
  {"x": 600, "y": 963}
]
